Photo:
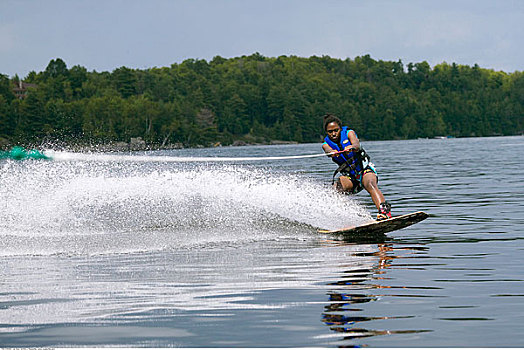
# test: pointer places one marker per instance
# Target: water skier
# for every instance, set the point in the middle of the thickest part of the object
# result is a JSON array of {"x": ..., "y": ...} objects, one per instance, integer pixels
[{"x": 357, "y": 172}]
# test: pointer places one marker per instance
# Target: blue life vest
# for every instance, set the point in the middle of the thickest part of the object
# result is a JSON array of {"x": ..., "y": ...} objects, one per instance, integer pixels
[{"x": 350, "y": 163}]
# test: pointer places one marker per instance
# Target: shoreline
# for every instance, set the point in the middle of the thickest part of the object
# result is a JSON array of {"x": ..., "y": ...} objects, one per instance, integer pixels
[{"x": 138, "y": 144}]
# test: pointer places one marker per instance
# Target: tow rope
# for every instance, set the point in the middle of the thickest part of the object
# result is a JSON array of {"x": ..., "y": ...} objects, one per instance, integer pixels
[
  {"x": 67, "y": 156},
  {"x": 19, "y": 153}
]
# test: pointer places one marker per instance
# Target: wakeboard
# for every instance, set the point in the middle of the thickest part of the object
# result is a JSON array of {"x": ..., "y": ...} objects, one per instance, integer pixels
[{"x": 377, "y": 228}]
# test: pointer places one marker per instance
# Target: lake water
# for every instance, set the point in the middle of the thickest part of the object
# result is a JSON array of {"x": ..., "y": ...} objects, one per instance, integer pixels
[{"x": 118, "y": 252}]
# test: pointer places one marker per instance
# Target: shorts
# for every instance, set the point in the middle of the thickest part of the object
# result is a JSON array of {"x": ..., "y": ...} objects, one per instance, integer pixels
[{"x": 357, "y": 182}]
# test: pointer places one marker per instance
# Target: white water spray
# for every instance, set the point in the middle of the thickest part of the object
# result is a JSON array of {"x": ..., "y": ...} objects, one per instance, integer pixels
[{"x": 94, "y": 206}]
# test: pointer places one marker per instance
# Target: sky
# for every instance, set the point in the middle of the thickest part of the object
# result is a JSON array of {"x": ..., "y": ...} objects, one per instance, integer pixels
[{"x": 103, "y": 35}]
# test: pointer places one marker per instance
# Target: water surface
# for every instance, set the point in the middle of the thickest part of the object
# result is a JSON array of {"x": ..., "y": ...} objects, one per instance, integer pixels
[{"x": 149, "y": 253}]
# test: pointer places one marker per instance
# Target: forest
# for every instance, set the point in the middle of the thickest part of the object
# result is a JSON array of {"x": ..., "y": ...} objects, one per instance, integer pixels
[{"x": 257, "y": 99}]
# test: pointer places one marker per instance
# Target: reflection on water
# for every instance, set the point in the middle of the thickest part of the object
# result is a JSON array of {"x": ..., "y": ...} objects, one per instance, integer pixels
[{"x": 359, "y": 286}]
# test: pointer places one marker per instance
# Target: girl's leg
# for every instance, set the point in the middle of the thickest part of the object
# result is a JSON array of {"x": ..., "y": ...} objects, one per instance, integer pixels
[
  {"x": 369, "y": 181},
  {"x": 344, "y": 184}
]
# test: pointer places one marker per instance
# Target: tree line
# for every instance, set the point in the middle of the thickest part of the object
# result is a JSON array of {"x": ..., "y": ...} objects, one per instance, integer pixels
[{"x": 257, "y": 99}]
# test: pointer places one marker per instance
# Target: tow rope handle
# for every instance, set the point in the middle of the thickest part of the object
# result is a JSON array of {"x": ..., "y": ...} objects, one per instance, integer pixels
[{"x": 360, "y": 154}]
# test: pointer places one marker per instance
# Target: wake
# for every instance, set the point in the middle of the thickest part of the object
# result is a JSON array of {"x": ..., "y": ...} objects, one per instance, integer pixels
[{"x": 85, "y": 206}]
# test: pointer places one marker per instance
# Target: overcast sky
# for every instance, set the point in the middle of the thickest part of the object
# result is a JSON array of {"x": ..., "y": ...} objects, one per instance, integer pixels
[{"x": 103, "y": 35}]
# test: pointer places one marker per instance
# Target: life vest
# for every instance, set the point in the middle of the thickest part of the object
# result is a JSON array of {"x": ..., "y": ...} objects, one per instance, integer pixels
[{"x": 350, "y": 164}]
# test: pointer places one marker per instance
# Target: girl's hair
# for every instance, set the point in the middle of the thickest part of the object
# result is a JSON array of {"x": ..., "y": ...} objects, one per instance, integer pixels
[{"x": 330, "y": 118}]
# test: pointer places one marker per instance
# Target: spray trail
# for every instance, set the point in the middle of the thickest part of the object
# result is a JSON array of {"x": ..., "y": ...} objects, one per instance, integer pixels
[{"x": 96, "y": 207}]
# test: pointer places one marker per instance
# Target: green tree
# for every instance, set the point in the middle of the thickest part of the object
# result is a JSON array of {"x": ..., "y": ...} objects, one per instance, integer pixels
[
  {"x": 77, "y": 77},
  {"x": 56, "y": 68},
  {"x": 7, "y": 122},
  {"x": 6, "y": 88},
  {"x": 125, "y": 81},
  {"x": 31, "y": 121}
]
